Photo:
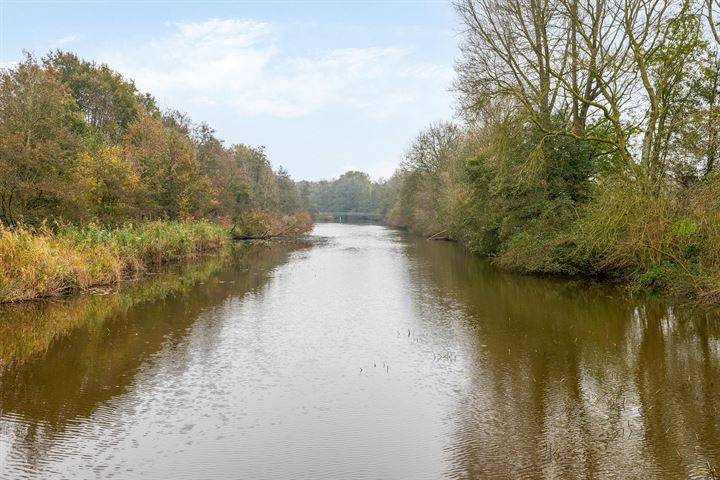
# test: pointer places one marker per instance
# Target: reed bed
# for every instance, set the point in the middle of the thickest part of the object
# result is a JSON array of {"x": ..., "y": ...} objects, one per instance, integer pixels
[{"x": 45, "y": 261}]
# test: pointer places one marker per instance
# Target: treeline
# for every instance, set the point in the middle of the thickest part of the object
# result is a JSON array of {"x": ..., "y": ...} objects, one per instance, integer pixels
[
  {"x": 589, "y": 142},
  {"x": 79, "y": 143},
  {"x": 353, "y": 191}
]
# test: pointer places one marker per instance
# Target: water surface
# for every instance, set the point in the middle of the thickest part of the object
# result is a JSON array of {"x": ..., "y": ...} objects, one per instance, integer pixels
[{"x": 367, "y": 355}]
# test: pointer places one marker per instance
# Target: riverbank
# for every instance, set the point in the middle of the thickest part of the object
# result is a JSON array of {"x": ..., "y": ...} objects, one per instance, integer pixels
[
  {"x": 664, "y": 244},
  {"x": 28, "y": 329},
  {"x": 46, "y": 262}
]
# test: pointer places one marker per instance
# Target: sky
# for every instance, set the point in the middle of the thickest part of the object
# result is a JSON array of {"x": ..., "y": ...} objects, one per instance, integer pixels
[{"x": 326, "y": 86}]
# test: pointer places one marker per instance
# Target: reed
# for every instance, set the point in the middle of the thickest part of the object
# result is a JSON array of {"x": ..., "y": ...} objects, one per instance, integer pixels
[{"x": 44, "y": 262}]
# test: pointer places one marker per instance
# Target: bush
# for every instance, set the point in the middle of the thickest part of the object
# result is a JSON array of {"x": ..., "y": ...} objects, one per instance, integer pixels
[
  {"x": 259, "y": 224},
  {"x": 544, "y": 244},
  {"x": 623, "y": 229},
  {"x": 667, "y": 241}
]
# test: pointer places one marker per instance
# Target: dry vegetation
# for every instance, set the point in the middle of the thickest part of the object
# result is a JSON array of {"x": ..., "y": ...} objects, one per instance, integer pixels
[{"x": 42, "y": 262}]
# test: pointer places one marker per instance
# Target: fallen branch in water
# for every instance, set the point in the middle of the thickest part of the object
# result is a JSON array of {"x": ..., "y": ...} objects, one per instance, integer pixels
[
  {"x": 439, "y": 236},
  {"x": 254, "y": 237}
]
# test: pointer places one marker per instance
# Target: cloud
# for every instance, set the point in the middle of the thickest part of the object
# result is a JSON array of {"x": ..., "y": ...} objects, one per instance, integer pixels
[
  {"x": 245, "y": 65},
  {"x": 60, "y": 42}
]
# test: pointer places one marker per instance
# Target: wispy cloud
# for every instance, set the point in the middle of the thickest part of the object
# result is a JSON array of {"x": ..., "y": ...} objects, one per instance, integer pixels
[
  {"x": 61, "y": 42},
  {"x": 244, "y": 64}
]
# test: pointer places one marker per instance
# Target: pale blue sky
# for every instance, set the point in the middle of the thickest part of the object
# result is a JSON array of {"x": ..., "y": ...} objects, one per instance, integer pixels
[{"x": 326, "y": 86}]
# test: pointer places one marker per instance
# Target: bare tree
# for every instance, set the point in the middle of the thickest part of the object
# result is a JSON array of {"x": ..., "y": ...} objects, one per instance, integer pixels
[
  {"x": 621, "y": 63},
  {"x": 713, "y": 16},
  {"x": 433, "y": 147},
  {"x": 555, "y": 59},
  {"x": 600, "y": 53},
  {"x": 509, "y": 51},
  {"x": 664, "y": 40}
]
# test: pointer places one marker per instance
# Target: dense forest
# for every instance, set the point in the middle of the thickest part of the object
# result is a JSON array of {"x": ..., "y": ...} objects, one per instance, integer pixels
[{"x": 588, "y": 142}]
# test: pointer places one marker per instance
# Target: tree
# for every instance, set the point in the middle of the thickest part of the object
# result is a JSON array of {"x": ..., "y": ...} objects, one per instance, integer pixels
[
  {"x": 713, "y": 16},
  {"x": 288, "y": 192},
  {"x": 509, "y": 52},
  {"x": 544, "y": 60},
  {"x": 78, "y": 142},
  {"x": 663, "y": 44},
  {"x": 350, "y": 193},
  {"x": 110, "y": 183},
  {"x": 262, "y": 184},
  {"x": 602, "y": 71},
  {"x": 39, "y": 136},
  {"x": 433, "y": 147},
  {"x": 169, "y": 170},
  {"x": 107, "y": 100},
  {"x": 308, "y": 196}
]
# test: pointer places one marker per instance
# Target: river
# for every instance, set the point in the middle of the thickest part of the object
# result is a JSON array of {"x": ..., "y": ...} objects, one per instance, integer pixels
[{"x": 363, "y": 353}]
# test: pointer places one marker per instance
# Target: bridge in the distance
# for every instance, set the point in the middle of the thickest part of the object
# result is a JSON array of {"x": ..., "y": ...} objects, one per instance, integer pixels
[{"x": 344, "y": 217}]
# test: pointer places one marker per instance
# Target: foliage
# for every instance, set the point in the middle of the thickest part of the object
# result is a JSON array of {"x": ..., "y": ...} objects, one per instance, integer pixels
[
  {"x": 109, "y": 103},
  {"x": 79, "y": 143},
  {"x": 353, "y": 191},
  {"x": 110, "y": 182},
  {"x": 97, "y": 184},
  {"x": 39, "y": 138},
  {"x": 260, "y": 225},
  {"x": 590, "y": 143}
]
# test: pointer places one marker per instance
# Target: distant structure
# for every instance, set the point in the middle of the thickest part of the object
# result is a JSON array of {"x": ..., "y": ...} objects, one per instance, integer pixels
[{"x": 348, "y": 217}]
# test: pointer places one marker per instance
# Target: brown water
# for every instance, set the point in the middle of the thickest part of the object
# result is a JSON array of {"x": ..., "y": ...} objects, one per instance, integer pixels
[{"x": 367, "y": 355}]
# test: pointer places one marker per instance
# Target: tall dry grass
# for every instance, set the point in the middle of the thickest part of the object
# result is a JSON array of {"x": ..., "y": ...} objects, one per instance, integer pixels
[{"x": 46, "y": 262}]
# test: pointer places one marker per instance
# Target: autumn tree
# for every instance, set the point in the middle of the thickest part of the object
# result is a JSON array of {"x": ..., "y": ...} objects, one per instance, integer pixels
[
  {"x": 40, "y": 129},
  {"x": 174, "y": 186},
  {"x": 288, "y": 192},
  {"x": 111, "y": 187},
  {"x": 106, "y": 99},
  {"x": 262, "y": 189}
]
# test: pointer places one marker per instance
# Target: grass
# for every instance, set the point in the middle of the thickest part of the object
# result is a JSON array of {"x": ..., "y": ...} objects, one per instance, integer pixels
[{"x": 45, "y": 262}]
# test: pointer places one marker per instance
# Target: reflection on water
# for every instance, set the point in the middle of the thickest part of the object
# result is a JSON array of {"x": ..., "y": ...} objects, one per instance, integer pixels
[
  {"x": 369, "y": 355},
  {"x": 576, "y": 381},
  {"x": 27, "y": 330}
]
